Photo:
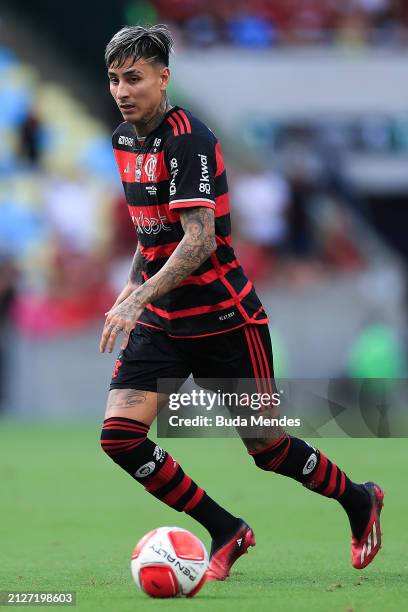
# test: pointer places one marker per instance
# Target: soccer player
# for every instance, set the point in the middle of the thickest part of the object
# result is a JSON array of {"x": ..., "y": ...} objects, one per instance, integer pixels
[{"x": 189, "y": 308}]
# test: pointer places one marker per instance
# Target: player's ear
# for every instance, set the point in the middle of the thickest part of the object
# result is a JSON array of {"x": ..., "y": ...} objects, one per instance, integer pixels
[{"x": 164, "y": 77}]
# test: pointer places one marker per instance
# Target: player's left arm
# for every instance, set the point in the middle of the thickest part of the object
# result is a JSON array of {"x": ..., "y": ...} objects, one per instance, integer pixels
[{"x": 197, "y": 245}]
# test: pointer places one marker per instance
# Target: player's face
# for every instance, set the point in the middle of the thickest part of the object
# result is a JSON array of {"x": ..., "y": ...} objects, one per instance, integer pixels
[{"x": 137, "y": 88}]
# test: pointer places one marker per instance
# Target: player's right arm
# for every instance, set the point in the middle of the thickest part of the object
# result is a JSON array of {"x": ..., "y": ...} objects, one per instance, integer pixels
[{"x": 134, "y": 279}]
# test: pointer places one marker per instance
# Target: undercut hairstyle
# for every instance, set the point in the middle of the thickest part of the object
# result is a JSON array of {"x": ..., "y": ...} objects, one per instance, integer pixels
[{"x": 152, "y": 43}]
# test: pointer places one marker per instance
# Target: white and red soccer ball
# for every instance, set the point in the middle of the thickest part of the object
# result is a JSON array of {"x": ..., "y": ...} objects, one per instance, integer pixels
[{"x": 169, "y": 562}]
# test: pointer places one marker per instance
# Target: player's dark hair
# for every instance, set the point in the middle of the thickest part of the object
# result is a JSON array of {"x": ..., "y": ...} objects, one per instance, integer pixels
[{"x": 152, "y": 43}]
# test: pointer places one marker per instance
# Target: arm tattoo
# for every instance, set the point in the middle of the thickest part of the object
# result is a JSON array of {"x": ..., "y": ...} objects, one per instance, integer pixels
[
  {"x": 196, "y": 246},
  {"x": 135, "y": 272}
]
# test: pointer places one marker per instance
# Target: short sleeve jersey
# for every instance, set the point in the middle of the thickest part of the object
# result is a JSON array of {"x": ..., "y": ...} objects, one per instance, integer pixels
[{"x": 178, "y": 166}]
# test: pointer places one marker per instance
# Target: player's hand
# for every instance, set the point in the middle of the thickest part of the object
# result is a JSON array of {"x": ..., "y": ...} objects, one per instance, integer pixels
[{"x": 120, "y": 319}]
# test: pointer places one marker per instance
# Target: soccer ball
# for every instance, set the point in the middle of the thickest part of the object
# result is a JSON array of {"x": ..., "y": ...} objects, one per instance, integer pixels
[{"x": 169, "y": 562}]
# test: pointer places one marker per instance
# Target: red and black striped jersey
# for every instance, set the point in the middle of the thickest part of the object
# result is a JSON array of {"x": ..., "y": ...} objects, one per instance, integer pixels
[{"x": 180, "y": 165}]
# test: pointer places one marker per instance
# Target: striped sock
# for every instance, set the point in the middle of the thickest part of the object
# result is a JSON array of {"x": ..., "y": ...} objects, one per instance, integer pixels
[
  {"x": 125, "y": 441},
  {"x": 173, "y": 487},
  {"x": 296, "y": 459}
]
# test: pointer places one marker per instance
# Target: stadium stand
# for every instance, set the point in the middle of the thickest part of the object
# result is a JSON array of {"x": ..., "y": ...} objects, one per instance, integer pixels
[{"x": 265, "y": 23}]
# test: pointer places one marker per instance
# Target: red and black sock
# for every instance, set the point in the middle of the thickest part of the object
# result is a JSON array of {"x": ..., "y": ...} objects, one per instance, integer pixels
[
  {"x": 125, "y": 441},
  {"x": 296, "y": 459}
]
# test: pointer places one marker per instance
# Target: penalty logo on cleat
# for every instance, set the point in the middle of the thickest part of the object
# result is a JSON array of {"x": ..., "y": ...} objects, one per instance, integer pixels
[{"x": 239, "y": 541}]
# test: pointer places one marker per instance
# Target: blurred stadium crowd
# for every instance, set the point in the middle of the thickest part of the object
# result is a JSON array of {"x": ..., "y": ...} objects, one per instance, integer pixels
[
  {"x": 57, "y": 196},
  {"x": 265, "y": 23}
]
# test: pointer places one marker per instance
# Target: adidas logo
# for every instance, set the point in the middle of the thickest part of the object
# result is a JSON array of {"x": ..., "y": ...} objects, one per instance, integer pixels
[
  {"x": 371, "y": 543},
  {"x": 239, "y": 541}
]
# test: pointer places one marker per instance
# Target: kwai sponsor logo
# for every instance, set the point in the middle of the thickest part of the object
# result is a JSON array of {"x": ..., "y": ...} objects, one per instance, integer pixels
[
  {"x": 173, "y": 174},
  {"x": 205, "y": 186}
]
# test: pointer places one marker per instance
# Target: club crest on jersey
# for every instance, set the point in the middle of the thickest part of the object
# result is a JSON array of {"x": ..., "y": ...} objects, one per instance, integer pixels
[{"x": 150, "y": 168}]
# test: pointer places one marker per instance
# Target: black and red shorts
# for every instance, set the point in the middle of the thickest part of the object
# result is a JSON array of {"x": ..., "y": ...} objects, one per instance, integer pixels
[{"x": 244, "y": 353}]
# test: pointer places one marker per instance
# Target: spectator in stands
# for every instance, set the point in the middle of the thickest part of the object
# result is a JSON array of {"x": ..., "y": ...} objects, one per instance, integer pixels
[
  {"x": 249, "y": 30},
  {"x": 71, "y": 209},
  {"x": 8, "y": 278},
  {"x": 260, "y": 200},
  {"x": 30, "y": 139},
  {"x": 310, "y": 21},
  {"x": 304, "y": 172},
  {"x": 203, "y": 30}
]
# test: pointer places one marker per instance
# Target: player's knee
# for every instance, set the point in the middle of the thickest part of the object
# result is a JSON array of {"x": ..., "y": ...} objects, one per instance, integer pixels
[
  {"x": 260, "y": 462},
  {"x": 268, "y": 455},
  {"x": 288, "y": 456},
  {"x": 120, "y": 436},
  {"x": 125, "y": 441}
]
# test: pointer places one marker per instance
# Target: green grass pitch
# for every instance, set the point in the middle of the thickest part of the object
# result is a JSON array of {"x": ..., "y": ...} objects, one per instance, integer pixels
[{"x": 70, "y": 519}]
